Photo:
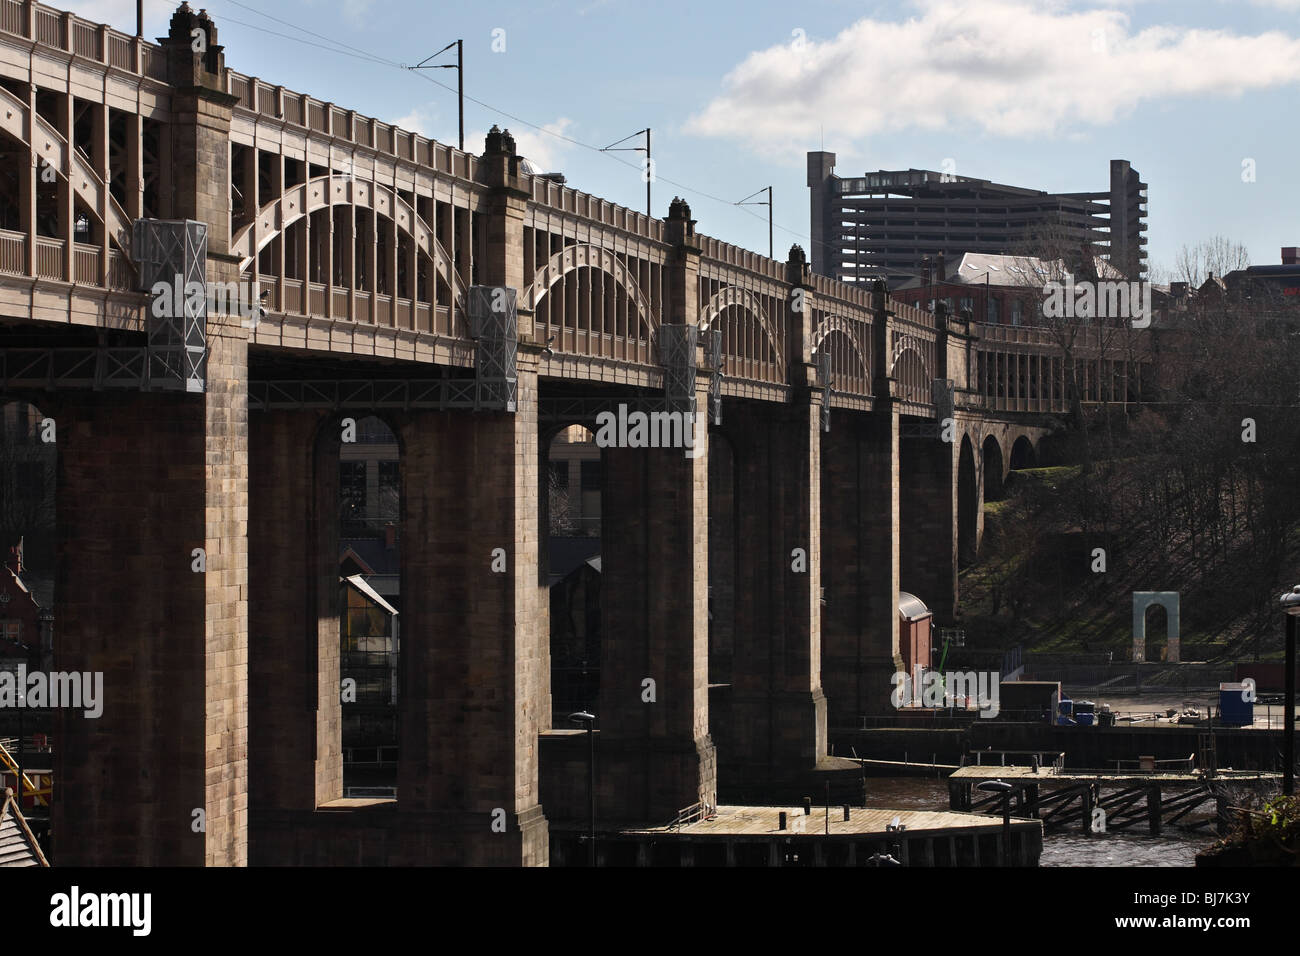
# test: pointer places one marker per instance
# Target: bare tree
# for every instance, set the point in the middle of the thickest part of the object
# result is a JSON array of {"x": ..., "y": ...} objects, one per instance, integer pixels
[
  {"x": 1216, "y": 256},
  {"x": 560, "y": 505}
]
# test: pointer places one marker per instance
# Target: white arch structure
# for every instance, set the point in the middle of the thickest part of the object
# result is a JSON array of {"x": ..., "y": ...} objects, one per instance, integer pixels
[
  {"x": 16, "y": 118},
  {"x": 586, "y": 256},
  {"x": 730, "y": 296},
  {"x": 339, "y": 190}
]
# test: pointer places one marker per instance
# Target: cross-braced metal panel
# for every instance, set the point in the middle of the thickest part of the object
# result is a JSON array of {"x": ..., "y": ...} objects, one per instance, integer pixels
[
  {"x": 94, "y": 368},
  {"x": 713, "y": 345},
  {"x": 172, "y": 257},
  {"x": 677, "y": 354},
  {"x": 439, "y": 393},
  {"x": 494, "y": 324},
  {"x": 945, "y": 404}
]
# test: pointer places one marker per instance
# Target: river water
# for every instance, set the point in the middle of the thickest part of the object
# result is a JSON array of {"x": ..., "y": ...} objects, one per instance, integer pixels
[{"x": 1130, "y": 848}]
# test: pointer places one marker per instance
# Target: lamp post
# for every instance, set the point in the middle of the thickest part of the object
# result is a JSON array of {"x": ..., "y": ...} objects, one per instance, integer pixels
[
  {"x": 1291, "y": 605},
  {"x": 1004, "y": 788},
  {"x": 583, "y": 717}
]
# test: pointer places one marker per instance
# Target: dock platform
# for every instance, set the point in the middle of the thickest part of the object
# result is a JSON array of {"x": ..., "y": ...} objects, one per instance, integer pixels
[
  {"x": 1098, "y": 801},
  {"x": 753, "y": 836}
]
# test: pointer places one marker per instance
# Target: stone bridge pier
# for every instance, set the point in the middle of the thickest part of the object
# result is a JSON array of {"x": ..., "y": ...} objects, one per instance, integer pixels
[
  {"x": 860, "y": 562},
  {"x": 774, "y": 724},
  {"x": 928, "y": 519},
  {"x": 656, "y": 755}
]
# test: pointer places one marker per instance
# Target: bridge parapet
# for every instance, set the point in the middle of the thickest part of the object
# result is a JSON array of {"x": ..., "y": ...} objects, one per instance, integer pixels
[
  {"x": 281, "y": 106},
  {"x": 82, "y": 38},
  {"x": 561, "y": 198}
]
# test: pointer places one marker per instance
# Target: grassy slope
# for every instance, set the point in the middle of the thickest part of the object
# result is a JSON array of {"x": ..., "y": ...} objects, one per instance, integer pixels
[{"x": 1034, "y": 581}]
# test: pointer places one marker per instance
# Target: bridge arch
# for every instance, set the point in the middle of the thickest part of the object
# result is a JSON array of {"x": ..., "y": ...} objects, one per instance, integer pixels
[
  {"x": 337, "y": 190},
  {"x": 994, "y": 469},
  {"x": 733, "y": 296},
  {"x": 1023, "y": 454},
  {"x": 908, "y": 348},
  {"x": 909, "y": 367},
  {"x": 843, "y": 330},
  {"x": 586, "y": 256},
  {"x": 16, "y": 118},
  {"x": 967, "y": 504}
]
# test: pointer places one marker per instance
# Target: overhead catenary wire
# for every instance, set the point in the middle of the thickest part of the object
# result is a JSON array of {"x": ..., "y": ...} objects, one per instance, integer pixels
[{"x": 358, "y": 53}]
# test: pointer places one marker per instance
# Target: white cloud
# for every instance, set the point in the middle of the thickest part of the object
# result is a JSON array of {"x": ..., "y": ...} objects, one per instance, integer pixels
[
  {"x": 354, "y": 11},
  {"x": 118, "y": 14},
  {"x": 419, "y": 120},
  {"x": 1006, "y": 67},
  {"x": 544, "y": 151}
]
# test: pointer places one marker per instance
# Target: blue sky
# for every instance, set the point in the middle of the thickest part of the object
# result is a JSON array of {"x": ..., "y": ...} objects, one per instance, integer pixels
[{"x": 1029, "y": 93}]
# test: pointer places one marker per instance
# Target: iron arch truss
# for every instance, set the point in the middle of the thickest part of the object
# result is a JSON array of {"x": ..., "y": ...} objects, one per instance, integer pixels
[
  {"x": 48, "y": 144},
  {"x": 730, "y": 296},
  {"x": 845, "y": 330},
  {"x": 339, "y": 190},
  {"x": 585, "y": 256}
]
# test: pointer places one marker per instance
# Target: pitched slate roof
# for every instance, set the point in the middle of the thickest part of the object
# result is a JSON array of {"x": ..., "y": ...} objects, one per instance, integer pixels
[{"x": 18, "y": 846}]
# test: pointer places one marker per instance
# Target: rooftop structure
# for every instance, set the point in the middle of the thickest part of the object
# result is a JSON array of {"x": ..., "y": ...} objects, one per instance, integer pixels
[{"x": 885, "y": 223}]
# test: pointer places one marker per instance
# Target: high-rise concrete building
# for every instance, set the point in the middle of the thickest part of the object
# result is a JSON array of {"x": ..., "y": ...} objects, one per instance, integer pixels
[{"x": 885, "y": 223}]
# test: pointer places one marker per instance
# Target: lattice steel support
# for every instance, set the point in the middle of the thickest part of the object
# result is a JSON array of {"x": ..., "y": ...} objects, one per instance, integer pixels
[
  {"x": 494, "y": 324},
  {"x": 677, "y": 355},
  {"x": 945, "y": 403},
  {"x": 172, "y": 256},
  {"x": 713, "y": 342}
]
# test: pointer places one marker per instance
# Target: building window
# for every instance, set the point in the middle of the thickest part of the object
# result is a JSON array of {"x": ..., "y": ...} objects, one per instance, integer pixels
[
  {"x": 1015, "y": 311},
  {"x": 12, "y": 631},
  {"x": 389, "y": 491},
  {"x": 352, "y": 489}
]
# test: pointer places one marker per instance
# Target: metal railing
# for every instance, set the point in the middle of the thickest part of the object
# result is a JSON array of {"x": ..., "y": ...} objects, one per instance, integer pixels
[{"x": 40, "y": 789}]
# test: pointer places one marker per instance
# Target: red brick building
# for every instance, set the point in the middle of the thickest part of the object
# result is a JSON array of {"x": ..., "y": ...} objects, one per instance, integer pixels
[{"x": 21, "y": 624}]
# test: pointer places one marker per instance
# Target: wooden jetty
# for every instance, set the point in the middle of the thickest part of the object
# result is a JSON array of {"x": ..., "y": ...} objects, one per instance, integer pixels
[
  {"x": 904, "y": 768},
  {"x": 790, "y": 836},
  {"x": 1062, "y": 798}
]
